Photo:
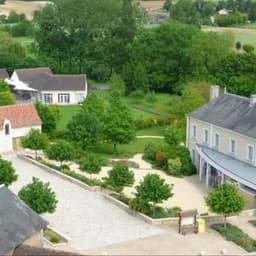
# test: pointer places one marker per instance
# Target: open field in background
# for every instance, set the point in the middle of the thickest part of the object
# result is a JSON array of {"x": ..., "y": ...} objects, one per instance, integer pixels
[
  {"x": 27, "y": 8},
  {"x": 243, "y": 35}
]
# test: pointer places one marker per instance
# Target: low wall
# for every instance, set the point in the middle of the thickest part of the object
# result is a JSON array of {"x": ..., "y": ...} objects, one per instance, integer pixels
[{"x": 107, "y": 195}]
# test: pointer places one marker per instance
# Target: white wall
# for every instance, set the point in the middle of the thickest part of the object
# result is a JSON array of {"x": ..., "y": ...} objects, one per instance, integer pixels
[
  {"x": 15, "y": 77},
  {"x": 75, "y": 96},
  {"x": 6, "y": 140}
]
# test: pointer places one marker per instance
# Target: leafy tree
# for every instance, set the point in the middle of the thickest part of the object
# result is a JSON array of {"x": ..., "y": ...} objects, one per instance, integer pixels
[
  {"x": 47, "y": 117},
  {"x": 153, "y": 190},
  {"x": 84, "y": 129},
  {"x": 34, "y": 140},
  {"x": 173, "y": 135},
  {"x": 94, "y": 105},
  {"x": 118, "y": 84},
  {"x": 60, "y": 151},
  {"x": 120, "y": 176},
  {"x": 55, "y": 110},
  {"x": 90, "y": 164},
  {"x": 185, "y": 11},
  {"x": 2, "y": 1},
  {"x": 38, "y": 196},
  {"x": 225, "y": 199},
  {"x": 6, "y": 97},
  {"x": 248, "y": 48},
  {"x": 168, "y": 4},
  {"x": 118, "y": 122},
  {"x": 7, "y": 172}
]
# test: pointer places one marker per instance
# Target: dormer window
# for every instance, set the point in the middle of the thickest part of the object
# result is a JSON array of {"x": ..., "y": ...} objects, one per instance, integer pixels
[{"x": 7, "y": 129}]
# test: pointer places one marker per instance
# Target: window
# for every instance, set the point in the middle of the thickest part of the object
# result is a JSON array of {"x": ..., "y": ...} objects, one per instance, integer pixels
[
  {"x": 193, "y": 131},
  {"x": 232, "y": 146},
  {"x": 217, "y": 140},
  {"x": 7, "y": 129},
  {"x": 250, "y": 153},
  {"x": 63, "y": 98},
  {"x": 206, "y": 136},
  {"x": 48, "y": 98},
  {"x": 193, "y": 156}
]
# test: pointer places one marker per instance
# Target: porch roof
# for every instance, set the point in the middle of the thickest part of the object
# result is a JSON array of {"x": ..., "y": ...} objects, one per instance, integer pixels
[{"x": 242, "y": 172}]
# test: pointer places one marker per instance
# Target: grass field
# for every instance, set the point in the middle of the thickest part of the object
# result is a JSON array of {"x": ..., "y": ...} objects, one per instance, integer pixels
[{"x": 66, "y": 113}]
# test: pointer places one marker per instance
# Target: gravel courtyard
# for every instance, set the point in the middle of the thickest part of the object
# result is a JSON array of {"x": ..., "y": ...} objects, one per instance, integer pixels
[{"x": 83, "y": 216}]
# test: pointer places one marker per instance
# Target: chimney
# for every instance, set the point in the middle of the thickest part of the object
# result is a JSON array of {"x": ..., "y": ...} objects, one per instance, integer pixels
[
  {"x": 252, "y": 100},
  {"x": 214, "y": 92}
]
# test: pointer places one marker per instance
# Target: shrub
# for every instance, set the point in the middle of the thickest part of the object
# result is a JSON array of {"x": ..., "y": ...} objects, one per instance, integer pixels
[
  {"x": 90, "y": 164},
  {"x": 248, "y": 48},
  {"x": 174, "y": 167},
  {"x": 119, "y": 177},
  {"x": 161, "y": 212},
  {"x": 150, "y": 151},
  {"x": 137, "y": 94},
  {"x": 151, "y": 97},
  {"x": 161, "y": 159},
  {"x": 54, "y": 239},
  {"x": 139, "y": 205}
]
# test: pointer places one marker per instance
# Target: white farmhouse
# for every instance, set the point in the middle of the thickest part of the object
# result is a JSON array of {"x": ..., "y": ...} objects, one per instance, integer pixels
[
  {"x": 15, "y": 122},
  {"x": 221, "y": 138},
  {"x": 41, "y": 84}
]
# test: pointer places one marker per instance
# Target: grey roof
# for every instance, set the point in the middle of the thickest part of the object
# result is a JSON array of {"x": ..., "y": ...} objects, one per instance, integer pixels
[
  {"x": 17, "y": 221},
  {"x": 231, "y": 112},
  {"x": 240, "y": 171},
  {"x": 46, "y": 82},
  {"x": 31, "y": 74},
  {"x": 3, "y": 73}
]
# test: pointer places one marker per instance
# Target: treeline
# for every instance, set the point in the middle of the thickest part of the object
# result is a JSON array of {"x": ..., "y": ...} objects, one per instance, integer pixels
[
  {"x": 206, "y": 12},
  {"x": 100, "y": 42}
]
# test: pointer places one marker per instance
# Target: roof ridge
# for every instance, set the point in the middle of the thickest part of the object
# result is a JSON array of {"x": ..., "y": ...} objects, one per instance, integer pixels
[{"x": 238, "y": 96}]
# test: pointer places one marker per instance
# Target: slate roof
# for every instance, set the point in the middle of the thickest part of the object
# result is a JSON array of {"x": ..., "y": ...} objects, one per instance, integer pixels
[
  {"x": 231, "y": 112},
  {"x": 26, "y": 250},
  {"x": 17, "y": 221},
  {"x": 20, "y": 115},
  {"x": 3, "y": 73},
  {"x": 46, "y": 82},
  {"x": 30, "y": 74}
]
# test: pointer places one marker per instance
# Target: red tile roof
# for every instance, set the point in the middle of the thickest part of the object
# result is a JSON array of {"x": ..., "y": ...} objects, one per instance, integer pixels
[{"x": 20, "y": 115}]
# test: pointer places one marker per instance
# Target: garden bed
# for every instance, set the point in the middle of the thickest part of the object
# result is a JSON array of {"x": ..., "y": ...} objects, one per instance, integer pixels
[
  {"x": 253, "y": 222},
  {"x": 236, "y": 235},
  {"x": 54, "y": 238}
]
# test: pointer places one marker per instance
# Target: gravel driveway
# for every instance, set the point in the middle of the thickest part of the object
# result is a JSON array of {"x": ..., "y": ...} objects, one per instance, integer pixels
[{"x": 85, "y": 217}]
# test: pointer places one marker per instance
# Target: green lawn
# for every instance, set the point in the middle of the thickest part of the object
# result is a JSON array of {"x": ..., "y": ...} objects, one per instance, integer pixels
[
  {"x": 66, "y": 113},
  {"x": 106, "y": 150},
  {"x": 152, "y": 131}
]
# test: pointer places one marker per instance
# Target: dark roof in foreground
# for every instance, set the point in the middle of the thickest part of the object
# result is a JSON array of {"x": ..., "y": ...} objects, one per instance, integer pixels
[
  {"x": 231, "y": 112},
  {"x": 17, "y": 221},
  {"x": 27, "y": 250},
  {"x": 46, "y": 82},
  {"x": 3, "y": 73},
  {"x": 30, "y": 74}
]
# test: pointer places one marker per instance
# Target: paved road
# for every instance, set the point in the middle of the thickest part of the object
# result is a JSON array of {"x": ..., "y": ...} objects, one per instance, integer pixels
[{"x": 85, "y": 217}]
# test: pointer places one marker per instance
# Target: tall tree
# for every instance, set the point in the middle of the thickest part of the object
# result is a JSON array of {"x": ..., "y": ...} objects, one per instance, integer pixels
[
  {"x": 118, "y": 122},
  {"x": 6, "y": 97},
  {"x": 225, "y": 199}
]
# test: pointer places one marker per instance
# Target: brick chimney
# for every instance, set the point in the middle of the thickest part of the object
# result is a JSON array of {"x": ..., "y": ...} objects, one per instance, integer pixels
[
  {"x": 252, "y": 100},
  {"x": 214, "y": 92}
]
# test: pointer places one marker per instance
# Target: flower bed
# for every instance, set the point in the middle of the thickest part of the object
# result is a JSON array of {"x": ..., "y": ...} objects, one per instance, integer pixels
[
  {"x": 54, "y": 238},
  {"x": 236, "y": 235}
]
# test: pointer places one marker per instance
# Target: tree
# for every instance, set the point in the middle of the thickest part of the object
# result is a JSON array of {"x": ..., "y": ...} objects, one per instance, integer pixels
[
  {"x": 7, "y": 172},
  {"x": 168, "y": 4},
  {"x": 38, "y": 196},
  {"x": 34, "y": 140},
  {"x": 2, "y": 1},
  {"x": 153, "y": 190},
  {"x": 173, "y": 135},
  {"x": 119, "y": 177},
  {"x": 118, "y": 122},
  {"x": 225, "y": 199},
  {"x": 90, "y": 164},
  {"x": 84, "y": 129},
  {"x": 60, "y": 151},
  {"x": 47, "y": 117},
  {"x": 6, "y": 97}
]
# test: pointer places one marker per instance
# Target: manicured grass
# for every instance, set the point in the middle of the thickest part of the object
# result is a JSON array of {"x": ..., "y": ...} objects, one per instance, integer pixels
[
  {"x": 152, "y": 131},
  {"x": 137, "y": 146},
  {"x": 236, "y": 235},
  {"x": 66, "y": 113}
]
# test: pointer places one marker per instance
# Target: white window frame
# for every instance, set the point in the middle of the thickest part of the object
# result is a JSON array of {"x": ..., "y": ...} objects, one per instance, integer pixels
[
  {"x": 247, "y": 152},
  {"x": 204, "y": 137},
  {"x": 194, "y": 131},
  {"x": 230, "y": 146},
  {"x": 215, "y": 141},
  {"x": 48, "y": 98},
  {"x": 64, "y": 98}
]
